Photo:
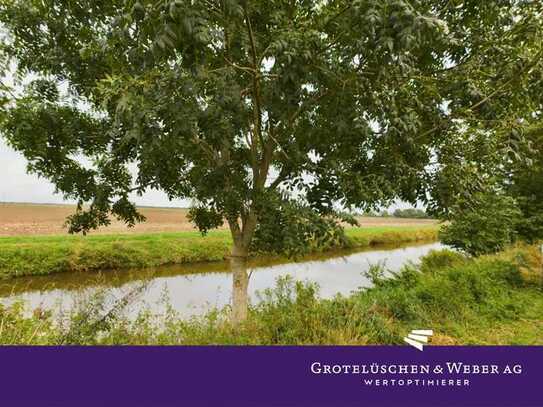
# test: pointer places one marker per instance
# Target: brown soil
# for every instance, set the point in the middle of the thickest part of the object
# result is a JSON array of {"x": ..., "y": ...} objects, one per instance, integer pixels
[{"x": 38, "y": 219}]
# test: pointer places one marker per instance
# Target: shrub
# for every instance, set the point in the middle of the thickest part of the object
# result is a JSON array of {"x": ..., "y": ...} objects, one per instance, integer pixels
[
  {"x": 485, "y": 226},
  {"x": 440, "y": 259}
]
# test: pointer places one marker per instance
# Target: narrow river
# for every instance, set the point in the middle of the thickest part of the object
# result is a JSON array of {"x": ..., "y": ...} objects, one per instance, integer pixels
[{"x": 195, "y": 289}]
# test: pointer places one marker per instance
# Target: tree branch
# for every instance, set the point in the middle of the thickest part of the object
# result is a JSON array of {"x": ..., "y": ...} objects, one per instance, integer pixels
[
  {"x": 242, "y": 68},
  {"x": 280, "y": 178},
  {"x": 257, "y": 111},
  {"x": 491, "y": 95},
  {"x": 300, "y": 109}
]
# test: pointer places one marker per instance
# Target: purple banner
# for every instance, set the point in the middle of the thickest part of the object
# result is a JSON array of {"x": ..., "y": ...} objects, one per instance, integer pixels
[{"x": 270, "y": 376}]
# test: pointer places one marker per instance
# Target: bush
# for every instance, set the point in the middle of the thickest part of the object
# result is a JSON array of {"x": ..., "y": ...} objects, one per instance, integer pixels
[
  {"x": 485, "y": 226},
  {"x": 440, "y": 259},
  {"x": 526, "y": 187}
]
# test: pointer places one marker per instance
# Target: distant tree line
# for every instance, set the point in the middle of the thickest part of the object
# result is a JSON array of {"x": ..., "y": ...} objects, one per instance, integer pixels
[{"x": 409, "y": 213}]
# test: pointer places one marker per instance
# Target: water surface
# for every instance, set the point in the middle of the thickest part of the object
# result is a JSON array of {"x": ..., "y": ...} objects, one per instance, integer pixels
[{"x": 194, "y": 289}]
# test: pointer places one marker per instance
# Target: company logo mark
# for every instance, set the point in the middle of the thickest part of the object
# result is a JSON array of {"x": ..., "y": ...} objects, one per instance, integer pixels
[{"x": 418, "y": 337}]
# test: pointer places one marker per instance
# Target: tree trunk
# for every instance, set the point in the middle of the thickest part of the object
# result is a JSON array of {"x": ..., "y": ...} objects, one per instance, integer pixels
[
  {"x": 238, "y": 265},
  {"x": 240, "y": 280}
]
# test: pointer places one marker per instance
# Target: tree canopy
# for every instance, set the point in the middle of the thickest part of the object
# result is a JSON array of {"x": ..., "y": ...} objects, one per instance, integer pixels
[
  {"x": 350, "y": 103},
  {"x": 508, "y": 208}
]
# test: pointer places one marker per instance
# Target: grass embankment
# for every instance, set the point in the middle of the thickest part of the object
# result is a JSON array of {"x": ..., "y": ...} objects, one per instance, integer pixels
[
  {"x": 490, "y": 300},
  {"x": 23, "y": 256}
]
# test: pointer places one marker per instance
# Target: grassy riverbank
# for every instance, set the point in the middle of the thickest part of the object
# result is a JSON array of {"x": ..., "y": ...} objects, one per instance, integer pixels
[
  {"x": 23, "y": 256},
  {"x": 490, "y": 300}
]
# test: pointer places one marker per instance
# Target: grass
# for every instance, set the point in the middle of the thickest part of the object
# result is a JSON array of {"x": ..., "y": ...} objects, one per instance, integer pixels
[
  {"x": 27, "y": 255},
  {"x": 491, "y": 300}
]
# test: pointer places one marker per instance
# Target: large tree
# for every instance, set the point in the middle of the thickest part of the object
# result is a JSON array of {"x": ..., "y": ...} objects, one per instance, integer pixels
[{"x": 349, "y": 102}]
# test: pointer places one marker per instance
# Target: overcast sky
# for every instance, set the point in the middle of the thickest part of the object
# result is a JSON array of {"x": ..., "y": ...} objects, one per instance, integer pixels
[{"x": 18, "y": 186}]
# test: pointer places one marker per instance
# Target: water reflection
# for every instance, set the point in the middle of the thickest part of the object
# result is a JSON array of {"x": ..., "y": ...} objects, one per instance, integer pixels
[{"x": 195, "y": 289}]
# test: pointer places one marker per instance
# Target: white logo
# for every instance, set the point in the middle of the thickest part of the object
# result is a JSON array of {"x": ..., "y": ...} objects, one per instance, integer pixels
[{"x": 418, "y": 337}]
